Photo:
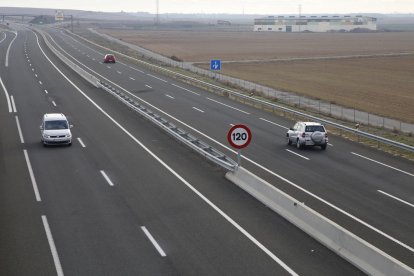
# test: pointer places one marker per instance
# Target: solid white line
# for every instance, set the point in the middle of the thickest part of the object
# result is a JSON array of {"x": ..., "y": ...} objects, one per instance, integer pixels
[
  {"x": 153, "y": 241},
  {"x": 34, "y": 184},
  {"x": 298, "y": 154},
  {"x": 7, "y": 95},
  {"x": 155, "y": 77},
  {"x": 385, "y": 165},
  {"x": 230, "y": 220},
  {"x": 81, "y": 143},
  {"x": 396, "y": 198},
  {"x": 273, "y": 123},
  {"x": 228, "y": 106},
  {"x": 235, "y": 152},
  {"x": 19, "y": 129},
  {"x": 198, "y": 109},
  {"x": 5, "y": 36},
  {"x": 185, "y": 89},
  {"x": 13, "y": 104},
  {"x": 148, "y": 86},
  {"x": 6, "y": 64},
  {"x": 53, "y": 102},
  {"x": 171, "y": 97},
  {"x": 137, "y": 69},
  {"x": 52, "y": 246},
  {"x": 107, "y": 178},
  {"x": 131, "y": 78}
]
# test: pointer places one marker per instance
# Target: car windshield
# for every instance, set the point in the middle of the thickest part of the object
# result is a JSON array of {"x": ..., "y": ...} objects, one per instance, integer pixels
[
  {"x": 314, "y": 128},
  {"x": 58, "y": 124}
]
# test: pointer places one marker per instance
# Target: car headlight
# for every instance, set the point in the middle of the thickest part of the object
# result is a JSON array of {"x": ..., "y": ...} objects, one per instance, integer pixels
[
  {"x": 68, "y": 136},
  {"x": 46, "y": 136}
]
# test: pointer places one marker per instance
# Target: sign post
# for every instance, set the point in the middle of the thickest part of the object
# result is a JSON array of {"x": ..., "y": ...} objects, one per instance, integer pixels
[
  {"x": 215, "y": 65},
  {"x": 239, "y": 136}
]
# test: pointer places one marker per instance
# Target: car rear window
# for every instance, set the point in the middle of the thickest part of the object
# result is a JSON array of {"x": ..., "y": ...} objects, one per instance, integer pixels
[
  {"x": 58, "y": 124},
  {"x": 314, "y": 128}
]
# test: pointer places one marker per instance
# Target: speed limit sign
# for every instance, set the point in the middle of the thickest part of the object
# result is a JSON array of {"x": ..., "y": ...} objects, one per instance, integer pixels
[{"x": 239, "y": 136}]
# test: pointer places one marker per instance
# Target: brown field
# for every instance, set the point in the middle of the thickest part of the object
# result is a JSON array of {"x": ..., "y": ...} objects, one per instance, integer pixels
[
  {"x": 202, "y": 46},
  {"x": 380, "y": 85}
]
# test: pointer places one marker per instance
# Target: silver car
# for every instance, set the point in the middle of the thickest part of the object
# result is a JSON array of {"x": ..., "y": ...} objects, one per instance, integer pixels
[
  {"x": 55, "y": 129},
  {"x": 307, "y": 134}
]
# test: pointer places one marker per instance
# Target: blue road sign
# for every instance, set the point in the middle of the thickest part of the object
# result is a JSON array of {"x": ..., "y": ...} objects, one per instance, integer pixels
[{"x": 215, "y": 64}]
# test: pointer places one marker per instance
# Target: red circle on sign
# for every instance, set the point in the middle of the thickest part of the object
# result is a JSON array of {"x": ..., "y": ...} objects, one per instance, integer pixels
[{"x": 239, "y": 136}]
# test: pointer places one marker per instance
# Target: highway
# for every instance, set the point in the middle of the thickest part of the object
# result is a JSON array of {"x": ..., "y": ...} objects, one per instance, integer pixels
[{"x": 127, "y": 199}]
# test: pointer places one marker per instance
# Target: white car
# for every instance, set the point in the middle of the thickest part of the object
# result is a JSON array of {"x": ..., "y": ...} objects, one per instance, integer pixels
[
  {"x": 307, "y": 134},
  {"x": 55, "y": 129}
]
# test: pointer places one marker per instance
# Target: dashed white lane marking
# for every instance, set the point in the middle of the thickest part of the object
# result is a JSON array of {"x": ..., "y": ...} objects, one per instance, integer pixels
[
  {"x": 33, "y": 69},
  {"x": 40, "y": 82},
  {"x": 19, "y": 129},
  {"x": 155, "y": 77},
  {"x": 46, "y": 91},
  {"x": 13, "y": 104},
  {"x": 131, "y": 78},
  {"x": 382, "y": 164},
  {"x": 36, "y": 75},
  {"x": 199, "y": 110},
  {"x": 34, "y": 184},
  {"x": 171, "y": 97},
  {"x": 107, "y": 178},
  {"x": 185, "y": 89},
  {"x": 119, "y": 72},
  {"x": 109, "y": 67},
  {"x": 273, "y": 123},
  {"x": 153, "y": 241},
  {"x": 329, "y": 144},
  {"x": 52, "y": 246},
  {"x": 229, "y": 106},
  {"x": 53, "y": 102},
  {"x": 148, "y": 86},
  {"x": 301, "y": 156},
  {"x": 396, "y": 198},
  {"x": 81, "y": 142}
]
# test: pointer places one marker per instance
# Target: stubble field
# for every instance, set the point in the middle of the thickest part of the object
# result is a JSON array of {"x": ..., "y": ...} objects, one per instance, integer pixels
[{"x": 380, "y": 85}]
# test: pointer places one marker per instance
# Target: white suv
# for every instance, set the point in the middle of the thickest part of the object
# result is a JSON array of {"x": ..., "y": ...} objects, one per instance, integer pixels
[
  {"x": 307, "y": 134},
  {"x": 55, "y": 129}
]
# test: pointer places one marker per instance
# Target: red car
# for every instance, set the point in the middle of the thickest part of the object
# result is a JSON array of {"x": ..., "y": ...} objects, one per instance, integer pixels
[{"x": 109, "y": 58}]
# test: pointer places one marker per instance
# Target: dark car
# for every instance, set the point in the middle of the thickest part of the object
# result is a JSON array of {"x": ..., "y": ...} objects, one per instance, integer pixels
[{"x": 109, "y": 58}]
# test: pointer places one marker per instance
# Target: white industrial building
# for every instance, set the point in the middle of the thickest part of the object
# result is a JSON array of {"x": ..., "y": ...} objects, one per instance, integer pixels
[{"x": 314, "y": 23}]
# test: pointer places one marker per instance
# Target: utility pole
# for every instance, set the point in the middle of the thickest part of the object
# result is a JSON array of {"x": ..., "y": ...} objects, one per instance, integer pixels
[{"x": 300, "y": 17}]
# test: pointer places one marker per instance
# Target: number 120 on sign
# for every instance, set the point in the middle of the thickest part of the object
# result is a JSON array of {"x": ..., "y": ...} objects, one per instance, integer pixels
[{"x": 239, "y": 136}]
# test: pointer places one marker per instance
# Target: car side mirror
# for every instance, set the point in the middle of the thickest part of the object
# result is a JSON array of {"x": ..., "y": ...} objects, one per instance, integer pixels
[{"x": 291, "y": 128}]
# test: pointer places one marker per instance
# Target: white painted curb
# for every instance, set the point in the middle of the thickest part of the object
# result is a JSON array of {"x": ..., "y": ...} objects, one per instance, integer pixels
[{"x": 357, "y": 251}]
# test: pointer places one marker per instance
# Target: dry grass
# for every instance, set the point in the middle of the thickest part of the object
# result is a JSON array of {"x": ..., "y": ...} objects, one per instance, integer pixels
[
  {"x": 382, "y": 86},
  {"x": 202, "y": 46}
]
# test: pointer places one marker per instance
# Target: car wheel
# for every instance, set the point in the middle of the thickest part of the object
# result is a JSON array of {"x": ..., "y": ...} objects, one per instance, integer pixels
[
  {"x": 298, "y": 144},
  {"x": 289, "y": 142},
  {"x": 323, "y": 146}
]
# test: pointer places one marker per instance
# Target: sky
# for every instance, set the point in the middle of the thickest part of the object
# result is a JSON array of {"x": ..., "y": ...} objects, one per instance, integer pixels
[{"x": 224, "y": 6}]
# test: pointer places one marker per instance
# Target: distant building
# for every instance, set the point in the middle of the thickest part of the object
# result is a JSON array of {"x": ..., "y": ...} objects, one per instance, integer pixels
[
  {"x": 223, "y": 22},
  {"x": 319, "y": 24}
]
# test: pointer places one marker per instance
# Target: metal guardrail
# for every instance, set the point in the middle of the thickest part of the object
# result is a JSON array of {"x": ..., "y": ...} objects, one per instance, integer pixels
[
  {"x": 181, "y": 135},
  {"x": 194, "y": 143},
  {"x": 84, "y": 74},
  {"x": 272, "y": 105}
]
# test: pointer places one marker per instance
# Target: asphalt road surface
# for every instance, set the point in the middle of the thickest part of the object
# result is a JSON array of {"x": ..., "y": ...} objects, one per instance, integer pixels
[{"x": 127, "y": 199}]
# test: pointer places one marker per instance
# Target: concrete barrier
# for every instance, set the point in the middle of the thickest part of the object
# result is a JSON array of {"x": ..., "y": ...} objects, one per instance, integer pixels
[{"x": 357, "y": 251}]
